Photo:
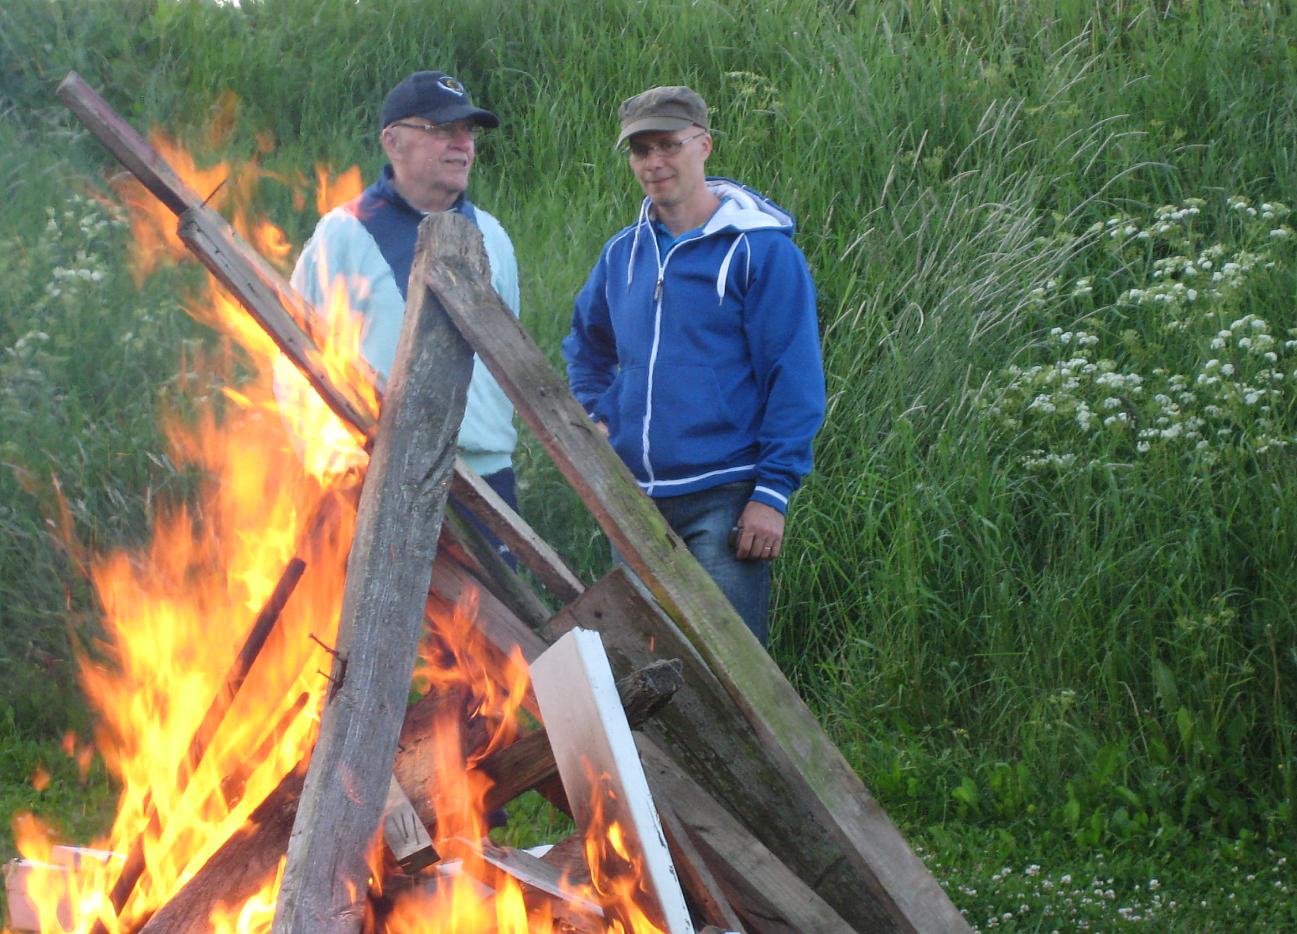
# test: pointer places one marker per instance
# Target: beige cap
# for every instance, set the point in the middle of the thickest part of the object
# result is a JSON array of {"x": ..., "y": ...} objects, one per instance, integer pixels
[{"x": 665, "y": 108}]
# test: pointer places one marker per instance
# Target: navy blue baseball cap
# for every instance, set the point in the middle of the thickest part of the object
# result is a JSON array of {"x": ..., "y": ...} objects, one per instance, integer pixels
[{"x": 435, "y": 96}]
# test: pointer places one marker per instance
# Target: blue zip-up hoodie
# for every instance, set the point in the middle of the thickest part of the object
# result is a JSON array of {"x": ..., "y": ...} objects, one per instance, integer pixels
[
  {"x": 704, "y": 361},
  {"x": 367, "y": 246}
]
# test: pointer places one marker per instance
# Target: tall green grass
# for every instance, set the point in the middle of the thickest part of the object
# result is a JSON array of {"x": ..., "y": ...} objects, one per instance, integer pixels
[{"x": 1098, "y": 653}]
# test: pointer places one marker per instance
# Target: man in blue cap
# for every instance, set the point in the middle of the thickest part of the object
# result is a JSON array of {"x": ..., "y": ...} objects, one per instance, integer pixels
[{"x": 428, "y": 129}]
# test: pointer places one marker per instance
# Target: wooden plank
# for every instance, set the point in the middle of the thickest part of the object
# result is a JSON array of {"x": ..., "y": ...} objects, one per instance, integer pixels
[
  {"x": 120, "y": 138},
  {"x": 532, "y": 550},
  {"x": 892, "y": 890},
  {"x": 489, "y": 565},
  {"x": 542, "y": 883},
  {"x": 404, "y": 831},
  {"x": 702, "y": 891},
  {"x": 388, "y": 573},
  {"x": 767, "y": 895},
  {"x": 604, "y": 781},
  {"x": 239, "y": 869}
]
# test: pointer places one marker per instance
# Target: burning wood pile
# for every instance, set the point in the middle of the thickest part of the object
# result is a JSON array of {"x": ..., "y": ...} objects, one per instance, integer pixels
[{"x": 704, "y": 793}]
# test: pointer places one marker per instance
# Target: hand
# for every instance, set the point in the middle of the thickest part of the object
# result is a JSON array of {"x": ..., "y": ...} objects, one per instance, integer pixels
[
  {"x": 603, "y": 428},
  {"x": 761, "y": 533}
]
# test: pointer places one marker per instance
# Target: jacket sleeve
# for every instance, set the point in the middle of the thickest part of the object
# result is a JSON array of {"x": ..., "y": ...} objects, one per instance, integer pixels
[
  {"x": 783, "y": 340},
  {"x": 590, "y": 348}
]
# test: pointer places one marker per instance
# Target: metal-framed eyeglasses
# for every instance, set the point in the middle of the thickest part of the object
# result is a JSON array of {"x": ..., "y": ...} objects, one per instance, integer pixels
[
  {"x": 446, "y": 130},
  {"x": 667, "y": 147}
]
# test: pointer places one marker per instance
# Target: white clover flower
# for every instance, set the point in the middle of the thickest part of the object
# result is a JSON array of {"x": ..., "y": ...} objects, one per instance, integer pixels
[{"x": 1227, "y": 369}]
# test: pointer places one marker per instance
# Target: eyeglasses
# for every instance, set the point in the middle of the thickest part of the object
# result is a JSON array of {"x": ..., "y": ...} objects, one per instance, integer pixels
[
  {"x": 667, "y": 147},
  {"x": 446, "y": 130}
]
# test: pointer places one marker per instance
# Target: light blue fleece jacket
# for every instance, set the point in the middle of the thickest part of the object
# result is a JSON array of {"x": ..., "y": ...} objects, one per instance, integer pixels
[
  {"x": 369, "y": 242},
  {"x": 704, "y": 360}
]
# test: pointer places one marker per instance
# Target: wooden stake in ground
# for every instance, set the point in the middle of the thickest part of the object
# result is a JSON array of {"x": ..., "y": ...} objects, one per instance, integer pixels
[{"x": 388, "y": 573}]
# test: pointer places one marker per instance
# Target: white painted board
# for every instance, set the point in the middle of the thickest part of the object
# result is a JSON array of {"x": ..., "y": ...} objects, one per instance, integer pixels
[{"x": 588, "y": 732}]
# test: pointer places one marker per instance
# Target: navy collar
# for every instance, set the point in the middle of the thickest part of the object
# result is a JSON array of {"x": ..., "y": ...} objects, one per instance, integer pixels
[{"x": 385, "y": 188}]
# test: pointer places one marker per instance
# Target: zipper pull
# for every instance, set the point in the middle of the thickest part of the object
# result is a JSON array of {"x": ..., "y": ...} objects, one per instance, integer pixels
[{"x": 657, "y": 291}]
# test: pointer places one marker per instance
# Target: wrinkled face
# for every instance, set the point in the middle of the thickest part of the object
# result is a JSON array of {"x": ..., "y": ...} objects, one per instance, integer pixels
[
  {"x": 670, "y": 178},
  {"x": 431, "y": 160}
]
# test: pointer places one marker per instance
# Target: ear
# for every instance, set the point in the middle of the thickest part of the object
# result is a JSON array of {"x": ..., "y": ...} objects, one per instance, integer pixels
[
  {"x": 707, "y": 146},
  {"x": 391, "y": 142}
]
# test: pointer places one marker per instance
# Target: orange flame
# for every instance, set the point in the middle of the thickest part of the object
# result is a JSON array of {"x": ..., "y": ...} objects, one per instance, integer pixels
[
  {"x": 332, "y": 191},
  {"x": 279, "y": 472}
]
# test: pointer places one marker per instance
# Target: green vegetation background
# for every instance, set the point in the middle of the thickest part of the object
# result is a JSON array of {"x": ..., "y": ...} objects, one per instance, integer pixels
[{"x": 1040, "y": 588}]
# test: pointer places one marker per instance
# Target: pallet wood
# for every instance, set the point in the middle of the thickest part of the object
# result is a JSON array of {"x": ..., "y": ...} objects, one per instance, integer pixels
[
  {"x": 892, "y": 890},
  {"x": 388, "y": 573}
]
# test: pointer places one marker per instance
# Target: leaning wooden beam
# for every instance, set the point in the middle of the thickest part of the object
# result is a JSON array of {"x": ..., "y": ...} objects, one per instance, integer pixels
[
  {"x": 388, "y": 572},
  {"x": 709, "y": 902},
  {"x": 892, "y": 890},
  {"x": 755, "y": 882},
  {"x": 239, "y": 869},
  {"x": 532, "y": 550},
  {"x": 280, "y": 310},
  {"x": 494, "y": 571}
]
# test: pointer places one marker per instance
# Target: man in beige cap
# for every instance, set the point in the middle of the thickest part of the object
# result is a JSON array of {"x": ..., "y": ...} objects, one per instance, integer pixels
[{"x": 694, "y": 346}]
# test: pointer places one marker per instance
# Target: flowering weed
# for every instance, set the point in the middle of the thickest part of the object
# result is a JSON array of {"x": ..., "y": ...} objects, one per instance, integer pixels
[{"x": 1178, "y": 364}]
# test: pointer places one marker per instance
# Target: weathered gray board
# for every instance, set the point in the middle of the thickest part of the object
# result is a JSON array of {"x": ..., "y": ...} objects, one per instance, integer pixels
[
  {"x": 859, "y": 862},
  {"x": 388, "y": 573}
]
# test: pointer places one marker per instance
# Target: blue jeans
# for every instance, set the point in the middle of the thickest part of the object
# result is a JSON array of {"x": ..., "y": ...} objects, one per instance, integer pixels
[
  {"x": 505, "y": 485},
  {"x": 704, "y": 520}
]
